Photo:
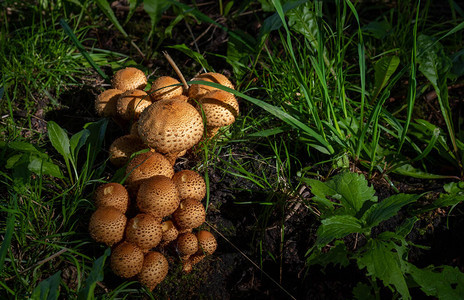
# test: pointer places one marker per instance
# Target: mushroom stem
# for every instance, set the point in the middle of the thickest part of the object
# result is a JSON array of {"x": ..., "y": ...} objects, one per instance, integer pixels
[{"x": 176, "y": 69}]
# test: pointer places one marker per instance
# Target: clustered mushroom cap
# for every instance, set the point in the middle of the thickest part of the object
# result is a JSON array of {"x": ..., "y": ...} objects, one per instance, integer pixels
[
  {"x": 112, "y": 194},
  {"x": 190, "y": 214},
  {"x": 220, "y": 108},
  {"x": 161, "y": 88},
  {"x": 146, "y": 165},
  {"x": 107, "y": 225},
  {"x": 131, "y": 104},
  {"x": 154, "y": 270},
  {"x": 123, "y": 147},
  {"x": 170, "y": 232},
  {"x": 126, "y": 260},
  {"x": 129, "y": 79},
  {"x": 144, "y": 231},
  {"x": 170, "y": 126},
  {"x": 105, "y": 104},
  {"x": 187, "y": 244},
  {"x": 190, "y": 185},
  {"x": 207, "y": 243},
  {"x": 158, "y": 196},
  {"x": 196, "y": 91}
]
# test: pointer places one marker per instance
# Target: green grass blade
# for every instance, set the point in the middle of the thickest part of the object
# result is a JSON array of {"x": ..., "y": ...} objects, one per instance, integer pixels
[
  {"x": 10, "y": 224},
  {"x": 106, "y": 9},
  {"x": 96, "y": 274}
]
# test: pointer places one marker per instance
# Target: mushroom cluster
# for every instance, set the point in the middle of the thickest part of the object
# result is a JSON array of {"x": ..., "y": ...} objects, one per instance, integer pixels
[{"x": 157, "y": 210}]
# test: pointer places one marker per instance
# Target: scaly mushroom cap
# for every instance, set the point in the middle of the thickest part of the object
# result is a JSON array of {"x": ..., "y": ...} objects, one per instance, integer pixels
[
  {"x": 147, "y": 165},
  {"x": 112, "y": 194},
  {"x": 170, "y": 126},
  {"x": 158, "y": 196},
  {"x": 129, "y": 79},
  {"x": 196, "y": 91},
  {"x": 107, "y": 225},
  {"x": 123, "y": 147},
  {"x": 188, "y": 264},
  {"x": 207, "y": 243},
  {"x": 187, "y": 244},
  {"x": 220, "y": 108},
  {"x": 126, "y": 260},
  {"x": 173, "y": 156},
  {"x": 105, "y": 104},
  {"x": 161, "y": 89},
  {"x": 131, "y": 104},
  {"x": 145, "y": 231},
  {"x": 190, "y": 185},
  {"x": 189, "y": 214},
  {"x": 154, "y": 270},
  {"x": 170, "y": 232}
]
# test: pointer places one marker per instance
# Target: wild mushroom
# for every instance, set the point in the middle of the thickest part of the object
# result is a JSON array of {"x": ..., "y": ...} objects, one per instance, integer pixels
[
  {"x": 190, "y": 214},
  {"x": 187, "y": 244},
  {"x": 131, "y": 104},
  {"x": 126, "y": 260},
  {"x": 144, "y": 231},
  {"x": 154, "y": 270},
  {"x": 207, "y": 244},
  {"x": 123, "y": 147},
  {"x": 220, "y": 108},
  {"x": 158, "y": 196},
  {"x": 112, "y": 194},
  {"x": 190, "y": 185},
  {"x": 107, "y": 225},
  {"x": 196, "y": 91},
  {"x": 147, "y": 165},
  {"x": 129, "y": 79},
  {"x": 170, "y": 232},
  {"x": 105, "y": 103},
  {"x": 162, "y": 88},
  {"x": 173, "y": 156},
  {"x": 170, "y": 126}
]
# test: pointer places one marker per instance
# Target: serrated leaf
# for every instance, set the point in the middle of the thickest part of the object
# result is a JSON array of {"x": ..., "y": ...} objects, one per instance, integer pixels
[
  {"x": 381, "y": 262},
  {"x": 384, "y": 69},
  {"x": 337, "y": 255},
  {"x": 48, "y": 289},
  {"x": 303, "y": 20},
  {"x": 388, "y": 208},
  {"x": 337, "y": 227},
  {"x": 59, "y": 139},
  {"x": 96, "y": 274}
]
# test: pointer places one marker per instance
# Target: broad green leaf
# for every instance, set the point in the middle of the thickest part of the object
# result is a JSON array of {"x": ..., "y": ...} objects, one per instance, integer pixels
[
  {"x": 444, "y": 282},
  {"x": 155, "y": 9},
  {"x": 9, "y": 229},
  {"x": 97, "y": 135},
  {"x": 379, "y": 30},
  {"x": 13, "y": 160},
  {"x": 41, "y": 166},
  {"x": 24, "y": 146},
  {"x": 337, "y": 255},
  {"x": 320, "y": 191},
  {"x": 381, "y": 262},
  {"x": 96, "y": 274},
  {"x": 303, "y": 20},
  {"x": 384, "y": 69},
  {"x": 388, "y": 208},
  {"x": 193, "y": 54},
  {"x": 337, "y": 227},
  {"x": 48, "y": 289},
  {"x": 408, "y": 170},
  {"x": 363, "y": 291},
  {"x": 406, "y": 227},
  {"x": 77, "y": 141},
  {"x": 456, "y": 188},
  {"x": 59, "y": 139}
]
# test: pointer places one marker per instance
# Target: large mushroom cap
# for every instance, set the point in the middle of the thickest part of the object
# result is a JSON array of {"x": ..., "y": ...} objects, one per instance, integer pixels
[
  {"x": 158, "y": 196},
  {"x": 129, "y": 79},
  {"x": 190, "y": 184},
  {"x": 187, "y": 244},
  {"x": 131, "y": 104},
  {"x": 126, "y": 260},
  {"x": 154, "y": 270},
  {"x": 220, "y": 108},
  {"x": 170, "y": 126},
  {"x": 107, "y": 225},
  {"x": 145, "y": 231},
  {"x": 207, "y": 243},
  {"x": 161, "y": 88},
  {"x": 105, "y": 104},
  {"x": 196, "y": 91},
  {"x": 147, "y": 165},
  {"x": 123, "y": 147},
  {"x": 190, "y": 214},
  {"x": 112, "y": 194}
]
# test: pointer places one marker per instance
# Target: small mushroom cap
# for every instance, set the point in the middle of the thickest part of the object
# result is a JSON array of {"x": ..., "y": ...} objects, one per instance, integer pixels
[
  {"x": 129, "y": 79},
  {"x": 147, "y": 165},
  {"x": 131, "y": 104},
  {"x": 123, "y": 147},
  {"x": 154, "y": 270},
  {"x": 170, "y": 126},
  {"x": 187, "y": 244},
  {"x": 189, "y": 214},
  {"x": 188, "y": 264},
  {"x": 112, "y": 194},
  {"x": 145, "y": 231},
  {"x": 158, "y": 196},
  {"x": 190, "y": 185},
  {"x": 107, "y": 225},
  {"x": 220, "y": 108},
  {"x": 196, "y": 91},
  {"x": 161, "y": 88},
  {"x": 207, "y": 243},
  {"x": 126, "y": 260},
  {"x": 105, "y": 104},
  {"x": 170, "y": 232}
]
